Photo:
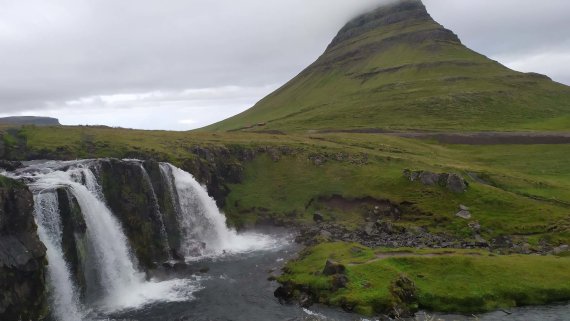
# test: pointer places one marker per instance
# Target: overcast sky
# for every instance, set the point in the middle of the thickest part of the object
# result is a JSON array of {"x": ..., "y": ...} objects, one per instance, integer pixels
[{"x": 183, "y": 64}]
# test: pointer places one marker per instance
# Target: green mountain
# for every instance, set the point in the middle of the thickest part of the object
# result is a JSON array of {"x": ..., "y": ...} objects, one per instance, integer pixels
[{"x": 395, "y": 68}]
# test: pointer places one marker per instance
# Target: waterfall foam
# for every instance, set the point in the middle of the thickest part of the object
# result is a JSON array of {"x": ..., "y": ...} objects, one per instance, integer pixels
[
  {"x": 122, "y": 284},
  {"x": 113, "y": 279},
  {"x": 203, "y": 225},
  {"x": 64, "y": 295}
]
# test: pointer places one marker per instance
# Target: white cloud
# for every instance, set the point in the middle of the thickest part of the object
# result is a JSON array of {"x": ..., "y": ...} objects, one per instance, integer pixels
[{"x": 175, "y": 110}]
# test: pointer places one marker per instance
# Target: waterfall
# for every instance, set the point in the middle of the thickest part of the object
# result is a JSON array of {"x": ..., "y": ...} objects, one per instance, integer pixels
[
  {"x": 113, "y": 279},
  {"x": 202, "y": 224},
  {"x": 117, "y": 271},
  {"x": 63, "y": 292},
  {"x": 122, "y": 285}
]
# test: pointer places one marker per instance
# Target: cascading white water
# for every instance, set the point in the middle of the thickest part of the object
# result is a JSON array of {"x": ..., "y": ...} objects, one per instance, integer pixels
[
  {"x": 116, "y": 269},
  {"x": 203, "y": 225},
  {"x": 123, "y": 285},
  {"x": 64, "y": 295},
  {"x": 117, "y": 283}
]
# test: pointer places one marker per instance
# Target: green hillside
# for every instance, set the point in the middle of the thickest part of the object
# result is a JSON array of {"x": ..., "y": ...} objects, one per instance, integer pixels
[{"x": 397, "y": 69}]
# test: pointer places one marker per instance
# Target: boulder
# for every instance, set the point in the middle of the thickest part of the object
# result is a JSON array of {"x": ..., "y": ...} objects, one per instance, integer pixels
[
  {"x": 453, "y": 182},
  {"x": 464, "y": 214},
  {"x": 10, "y": 165},
  {"x": 385, "y": 226},
  {"x": 284, "y": 293},
  {"x": 318, "y": 217},
  {"x": 429, "y": 178},
  {"x": 305, "y": 300},
  {"x": 475, "y": 226},
  {"x": 481, "y": 242},
  {"x": 326, "y": 235},
  {"x": 370, "y": 229},
  {"x": 456, "y": 183},
  {"x": 339, "y": 281},
  {"x": 405, "y": 296},
  {"x": 561, "y": 249},
  {"x": 332, "y": 268}
]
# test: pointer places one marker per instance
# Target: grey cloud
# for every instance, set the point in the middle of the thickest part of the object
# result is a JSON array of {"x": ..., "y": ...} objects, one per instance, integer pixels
[
  {"x": 512, "y": 31},
  {"x": 55, "y": 52}
]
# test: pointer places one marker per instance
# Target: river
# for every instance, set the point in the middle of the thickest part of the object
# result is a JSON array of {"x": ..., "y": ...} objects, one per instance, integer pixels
[{"x": 236, "y": 288}]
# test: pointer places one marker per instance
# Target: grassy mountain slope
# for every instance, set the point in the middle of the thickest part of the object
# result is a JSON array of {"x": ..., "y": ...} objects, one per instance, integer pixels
[{"x": 397, "y": 69}]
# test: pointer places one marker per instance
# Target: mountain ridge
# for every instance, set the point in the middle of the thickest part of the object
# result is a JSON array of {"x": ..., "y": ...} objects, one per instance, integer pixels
[{"x": 387, "y": 67}]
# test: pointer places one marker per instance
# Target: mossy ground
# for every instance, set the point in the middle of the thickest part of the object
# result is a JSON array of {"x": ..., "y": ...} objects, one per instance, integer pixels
[{"x": 466, "y": 281}]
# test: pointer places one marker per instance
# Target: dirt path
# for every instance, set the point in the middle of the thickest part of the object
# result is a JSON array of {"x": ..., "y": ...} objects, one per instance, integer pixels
[{"x": 475, "y": 138}]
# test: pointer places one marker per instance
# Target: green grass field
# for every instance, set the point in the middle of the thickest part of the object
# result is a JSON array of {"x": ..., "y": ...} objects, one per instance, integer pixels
[{"x": 464, "y": 281}]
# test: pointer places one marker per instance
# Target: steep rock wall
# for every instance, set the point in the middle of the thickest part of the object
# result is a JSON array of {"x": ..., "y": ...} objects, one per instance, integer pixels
[
  {"x": 131, "y": 199},
  {"x": 22, "y": 256}
]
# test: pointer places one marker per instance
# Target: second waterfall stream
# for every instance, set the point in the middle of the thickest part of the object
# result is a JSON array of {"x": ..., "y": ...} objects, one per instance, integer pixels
[{"x": 108, "y": 277}]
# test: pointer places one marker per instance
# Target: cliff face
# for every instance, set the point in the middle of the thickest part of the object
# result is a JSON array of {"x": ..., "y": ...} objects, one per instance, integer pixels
[
  {"x": 130, "y": 196},
  {"x": 74, "y": 239},
  {"x": 22, "y": 256}
]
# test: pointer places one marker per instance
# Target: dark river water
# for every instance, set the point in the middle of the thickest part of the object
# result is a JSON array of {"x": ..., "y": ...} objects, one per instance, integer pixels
[{"x": 236, "y": 288}]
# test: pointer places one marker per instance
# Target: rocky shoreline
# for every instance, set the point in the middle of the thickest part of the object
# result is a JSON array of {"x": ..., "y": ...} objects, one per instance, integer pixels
[{"x": 386, "y": 234}]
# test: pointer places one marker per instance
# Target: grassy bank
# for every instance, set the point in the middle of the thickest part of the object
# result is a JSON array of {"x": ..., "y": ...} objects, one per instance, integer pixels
[{"x": 464, "y": 281}]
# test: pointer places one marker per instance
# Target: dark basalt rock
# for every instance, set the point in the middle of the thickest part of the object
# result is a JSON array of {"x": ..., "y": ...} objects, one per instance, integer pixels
[
  {"x": 405, "y": 296},
  {"x": 285, "y": 293},
  {"x": 318, "y": 217},
  {"x": 10, "y": 165},
  {"x": 167, "y": 208},
  {"x": 131, "y": 199},
  {"x": 451, "y": 181},
  {"x": 23, "y": 291},
  {"x": 74, "y": 238},
  {"x": 332, "y": 268},
  {"x": 305, "y": 300},
  {"x": 339, "y": 281}
]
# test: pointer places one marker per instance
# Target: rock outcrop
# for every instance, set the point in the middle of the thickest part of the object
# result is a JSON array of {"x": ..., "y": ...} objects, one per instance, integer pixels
[
  {"x": 451, "y": 181},
  {"x": 74, "y": 239},
  {"x": 130, "y": 197},
  {"x": 22, "y": 256}
]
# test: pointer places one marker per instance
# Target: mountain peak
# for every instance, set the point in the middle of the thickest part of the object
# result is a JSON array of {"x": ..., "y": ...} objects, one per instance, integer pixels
[
  {"x": 400, "y": 13},
  {"x": 404, "y": 22},
  {"x": 395, "y": 68}
]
